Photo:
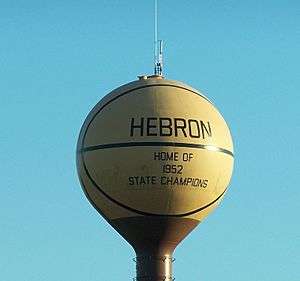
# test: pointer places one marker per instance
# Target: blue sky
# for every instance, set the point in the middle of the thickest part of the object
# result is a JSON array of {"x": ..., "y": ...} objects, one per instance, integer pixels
[{"x": 58, "y": 58}]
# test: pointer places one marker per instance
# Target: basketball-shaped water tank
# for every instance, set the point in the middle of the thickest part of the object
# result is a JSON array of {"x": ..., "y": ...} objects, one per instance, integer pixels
[{"x": 154, "y": 157}]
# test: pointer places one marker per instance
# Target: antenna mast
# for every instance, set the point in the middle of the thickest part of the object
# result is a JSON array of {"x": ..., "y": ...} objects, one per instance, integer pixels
[{"x": 158, "y": 46}]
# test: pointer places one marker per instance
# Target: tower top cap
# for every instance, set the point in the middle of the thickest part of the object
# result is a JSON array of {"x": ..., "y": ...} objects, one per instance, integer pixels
[{"x": 145, "y": 77}]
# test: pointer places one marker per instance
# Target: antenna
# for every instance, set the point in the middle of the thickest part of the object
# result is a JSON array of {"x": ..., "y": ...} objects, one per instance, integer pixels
[{"x": 158, "y": 46}]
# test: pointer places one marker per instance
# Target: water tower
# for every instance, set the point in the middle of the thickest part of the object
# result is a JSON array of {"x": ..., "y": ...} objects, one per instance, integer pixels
[{"x": 154, "y": 158}]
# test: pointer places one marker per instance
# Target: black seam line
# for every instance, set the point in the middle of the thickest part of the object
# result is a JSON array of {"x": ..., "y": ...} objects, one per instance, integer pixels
[
  {"x": 155, "y": 144},
  {"x": 154, "y": 85},
  {"x": 119, "y": 203},
  {"x": 138, "y": 88},
  {"x": 146, "y": 213},
  {"x": 91, "y": 200}
]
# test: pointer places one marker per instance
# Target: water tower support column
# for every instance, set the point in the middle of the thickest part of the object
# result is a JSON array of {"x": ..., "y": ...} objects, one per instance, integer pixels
[{"x": 154, "y": 268}]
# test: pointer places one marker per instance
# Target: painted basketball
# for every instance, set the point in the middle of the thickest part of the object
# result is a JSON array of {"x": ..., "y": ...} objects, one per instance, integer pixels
[{"x": 155, "y": 147}]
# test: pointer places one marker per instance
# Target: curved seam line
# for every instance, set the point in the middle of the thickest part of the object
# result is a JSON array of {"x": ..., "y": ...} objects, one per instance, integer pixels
[
  {"x": 119, "y": 203},
  {"x": 132, "y": 90},
  {"x": 147, "y": 213},
  {"x": 155, "y": 144}
]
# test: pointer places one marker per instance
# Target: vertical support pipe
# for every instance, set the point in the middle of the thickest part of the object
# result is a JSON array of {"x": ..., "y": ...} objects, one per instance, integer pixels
[
  {"x": 154, "y": 268},
  {"x": 155, "y": 35}
]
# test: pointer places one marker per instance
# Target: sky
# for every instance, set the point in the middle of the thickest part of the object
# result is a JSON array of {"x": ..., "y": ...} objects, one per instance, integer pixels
[{"x": 59, "y": 58}]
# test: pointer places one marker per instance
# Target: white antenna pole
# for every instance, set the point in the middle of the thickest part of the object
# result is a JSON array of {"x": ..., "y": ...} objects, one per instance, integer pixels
[
  {"x": 160, "y": 52},
  {"x": 155, "y": 33},
  {"x": 157, "y": 54}
]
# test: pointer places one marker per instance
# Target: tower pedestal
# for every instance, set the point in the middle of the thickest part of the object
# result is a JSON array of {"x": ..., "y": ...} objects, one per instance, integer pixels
[
  {"x": 154, "y": 268},
  {"x": 154, "y": 239}
]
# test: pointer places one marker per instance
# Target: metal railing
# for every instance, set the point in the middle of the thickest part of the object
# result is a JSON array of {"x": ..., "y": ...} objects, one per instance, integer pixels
[
  {"x": 162, "y": 258},
  {"x": 153, "y": 278}
]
